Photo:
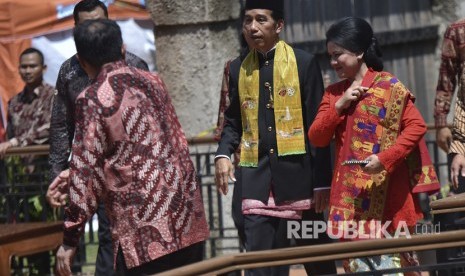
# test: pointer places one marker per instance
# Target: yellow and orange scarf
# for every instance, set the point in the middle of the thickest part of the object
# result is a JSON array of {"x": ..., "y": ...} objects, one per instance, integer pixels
[{"x": 287, "y": 105}]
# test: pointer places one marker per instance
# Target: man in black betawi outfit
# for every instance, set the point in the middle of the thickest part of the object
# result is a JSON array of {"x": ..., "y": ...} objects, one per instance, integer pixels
[{"x": 274, "y": 96}]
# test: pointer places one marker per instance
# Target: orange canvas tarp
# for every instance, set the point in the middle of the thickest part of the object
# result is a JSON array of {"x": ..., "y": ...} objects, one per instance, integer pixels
[
  {"x": 30, "y": 18},
  {"x": 21, "y": 20}
]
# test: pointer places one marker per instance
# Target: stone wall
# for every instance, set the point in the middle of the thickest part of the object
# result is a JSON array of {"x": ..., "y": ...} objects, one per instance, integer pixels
[{"x": 194, "y": 38}]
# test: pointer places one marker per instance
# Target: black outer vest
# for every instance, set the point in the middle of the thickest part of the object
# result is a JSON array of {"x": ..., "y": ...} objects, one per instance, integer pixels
[{"x": 290, "y": 177}]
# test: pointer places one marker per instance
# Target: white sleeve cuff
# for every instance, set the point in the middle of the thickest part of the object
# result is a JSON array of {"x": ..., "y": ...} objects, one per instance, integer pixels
[
  {"x": 321, "y": 188},
  {"x": 222, "y": 156},
  {"x": 14, "y": 142}
]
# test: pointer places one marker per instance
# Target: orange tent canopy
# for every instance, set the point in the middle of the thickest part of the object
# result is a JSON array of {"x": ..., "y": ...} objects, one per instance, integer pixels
[
  {"x": 30, "y": 18},
  {"x": 21, "y": 20}
]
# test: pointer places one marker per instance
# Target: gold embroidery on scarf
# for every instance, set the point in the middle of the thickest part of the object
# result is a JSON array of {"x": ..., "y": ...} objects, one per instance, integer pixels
[{"x": 287, "y": 105}]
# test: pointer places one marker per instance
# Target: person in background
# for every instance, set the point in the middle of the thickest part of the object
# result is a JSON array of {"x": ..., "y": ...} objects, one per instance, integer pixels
[
  {"x": 2, "y": 122},
  {"x": 236, "y": 205},
  {"x": 28, "y": 123},
  {"x": 372, "y": 117},
  {"x": 274, "y": 92},
  {"x": 71, "y": 81},
  {"x": 451, "y": 78},
  {"x": 131, "y": 153},
  {"x": 29, "y": 111},
  {"x": 2, "y": 139}
]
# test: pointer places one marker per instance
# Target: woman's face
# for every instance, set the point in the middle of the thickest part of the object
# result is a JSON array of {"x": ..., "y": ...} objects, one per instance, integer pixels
[{"x": 346, "y": 63}]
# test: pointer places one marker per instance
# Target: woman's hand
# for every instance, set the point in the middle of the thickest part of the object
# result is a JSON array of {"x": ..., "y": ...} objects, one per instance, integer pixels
[
  {"x": 352, "y": 94},
  {"x": 374, "y": 166}
]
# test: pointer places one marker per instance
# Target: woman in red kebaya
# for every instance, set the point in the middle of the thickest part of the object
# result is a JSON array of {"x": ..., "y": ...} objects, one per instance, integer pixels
[{"x": 372, "y": 116}]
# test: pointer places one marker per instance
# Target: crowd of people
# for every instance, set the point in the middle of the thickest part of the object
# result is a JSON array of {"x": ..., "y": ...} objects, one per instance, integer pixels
[{"x": 118, "y": 150}]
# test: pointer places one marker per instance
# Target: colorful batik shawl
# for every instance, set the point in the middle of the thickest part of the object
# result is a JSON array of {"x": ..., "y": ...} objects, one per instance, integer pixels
[{"x": 373, "y": 125}]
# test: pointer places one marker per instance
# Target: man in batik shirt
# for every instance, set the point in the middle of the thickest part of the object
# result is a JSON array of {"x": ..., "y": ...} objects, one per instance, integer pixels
[
  {"x": 451, "y": 74},
  {"x": 2, "y": 123},
  {"x": 71, "y": 81},
  {"x": 130, "y": 152},
  {"x": 28, "y": 124},
  {"x": 29, "y": 111},
  {"x": 2, "y": 139}
]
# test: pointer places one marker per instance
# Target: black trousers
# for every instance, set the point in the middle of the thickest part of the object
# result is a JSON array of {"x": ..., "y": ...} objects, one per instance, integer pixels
[
  {"x": 185, "y": 256},
  {"x": 323, "y": 267},
  {"x": 104, "y": 261},
  {"x": 236, "y": 208},
  {"x": 265, "y": 232}
]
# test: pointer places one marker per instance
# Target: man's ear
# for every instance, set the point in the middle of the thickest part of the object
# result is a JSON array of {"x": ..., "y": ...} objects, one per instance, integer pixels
[
  {"x": 279, "y": 26},
  {"x": 79, "y": 60},
  {"x": 85, "y": 66},
  {"x": 82, "y": 62}
]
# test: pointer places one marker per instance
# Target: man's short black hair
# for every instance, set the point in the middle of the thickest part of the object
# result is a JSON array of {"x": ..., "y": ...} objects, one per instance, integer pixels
[
  {"x": 98, "y": 41},
  {"x": 88, "y": 6},
  {"x": 32, "y": 51}
]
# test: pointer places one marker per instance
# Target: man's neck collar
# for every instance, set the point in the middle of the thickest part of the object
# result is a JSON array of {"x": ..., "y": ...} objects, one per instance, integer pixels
[
  {"x": 268, "y": 53},
  {"x": 33, "y": 89}
]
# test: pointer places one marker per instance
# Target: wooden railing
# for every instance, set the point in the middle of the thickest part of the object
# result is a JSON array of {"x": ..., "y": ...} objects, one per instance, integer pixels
[
  {"x": 44, "y": 149},
  {"x": 295, "y": 255},
  {"x": 452, "y": 204},
  {"x": 193, "y": 141},
  {"x": 335, "y": 251},
  {"x": 24, "y": 239}
]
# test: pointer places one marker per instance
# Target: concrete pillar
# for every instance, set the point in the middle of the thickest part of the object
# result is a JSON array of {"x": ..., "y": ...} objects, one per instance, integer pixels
[{"x": 193, "y": 39}]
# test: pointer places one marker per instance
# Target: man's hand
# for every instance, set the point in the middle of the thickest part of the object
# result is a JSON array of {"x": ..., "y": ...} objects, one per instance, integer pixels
[
  {"x": 65, "y": 255},
  {"x": 57, "y": 192},
  {"x": 321, "y": 199},
  {"x": 224, "y": 170},
  {"x": 3, "y": 147},
  {"x": 457, "y": 167},
  {"x": 444, "y": 138}
]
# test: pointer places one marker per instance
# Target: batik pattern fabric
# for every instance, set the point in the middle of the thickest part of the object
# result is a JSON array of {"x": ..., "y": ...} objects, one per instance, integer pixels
[
  {"x": 224, "y": 104},
  {"x": 373, "y": 125},
  {"x": 381, "y": 262},
  {"x": 384, "y": 122},
  {"x": 291, "y": 209},
  {"x": 451, "y": 75},
  {"x": 458, "y": 130},
  {"x": 2, "y": 123},
  {"x": 29, "y": 116},
  {"x": 71, "y": 81},
  {"x": 131, "y": 153}
]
